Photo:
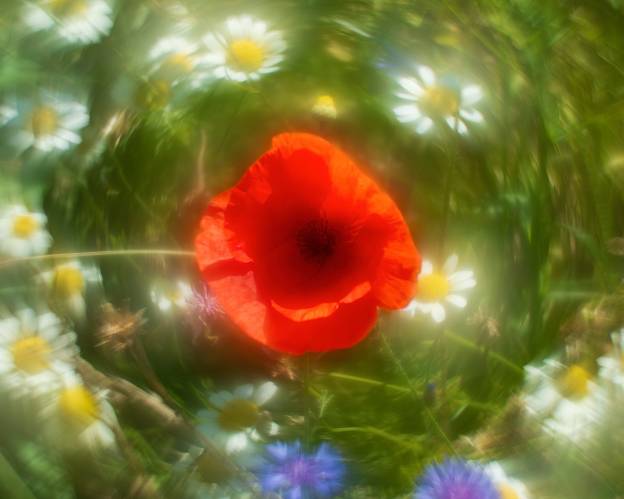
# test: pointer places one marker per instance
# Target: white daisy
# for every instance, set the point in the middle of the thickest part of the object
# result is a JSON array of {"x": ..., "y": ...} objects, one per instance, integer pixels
[
  {"x": 175, "y": 60},
  {"x": 236, "y": 422},
  {"x": 430, "y": 100},
  {"x": 324, "y": 105},
  {"x": 34, "y": 353},
  {"x": 77, "y": 414},
  {"x": 73, "y": 21},
  {"x": 435, "y": 289},
  {"x": 167, "y": 296},
  {"x": 244, "y": 50},
  {"x": 611, "y": 367},
  {"x": 508, "y": 488},
  {"x": 23, "y": 233},
  {"x": 565, "y": 399},
  {"x": 67, "y": 283},
  {"x": 51, "y": 123}
]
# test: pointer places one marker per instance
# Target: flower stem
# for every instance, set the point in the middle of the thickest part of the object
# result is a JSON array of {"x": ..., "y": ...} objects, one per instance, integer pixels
[
  {"x": 146, "y": 368},
  {"x": 460, "y": 340},
  {"x": 399, "y": 440},
  {"x": 87, "y": 254},
  {"x": 446, "y": 198},
  {"x": 307, "y": 371},
  {"x": 369, "y": 381},
  {"x": 401, "y": 389},
  {"x": 416, "y": 395}
]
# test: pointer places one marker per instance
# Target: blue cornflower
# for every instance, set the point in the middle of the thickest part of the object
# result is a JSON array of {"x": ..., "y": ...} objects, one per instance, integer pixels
[
  {"x": 455, "y": 479},
  {"x": 294, "y": 474}
]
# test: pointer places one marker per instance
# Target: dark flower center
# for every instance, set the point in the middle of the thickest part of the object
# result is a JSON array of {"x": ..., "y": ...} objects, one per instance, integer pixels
[
  {"x": 316, "y": 240},
  {"x": 302, "y": 472},
  {"x": 238, "y": 414}
]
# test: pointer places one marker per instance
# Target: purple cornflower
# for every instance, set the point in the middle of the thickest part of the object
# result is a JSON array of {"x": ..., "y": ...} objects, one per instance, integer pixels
[
  {"x": 294, "y": 474},
  {"x": 455, "y": 479}
]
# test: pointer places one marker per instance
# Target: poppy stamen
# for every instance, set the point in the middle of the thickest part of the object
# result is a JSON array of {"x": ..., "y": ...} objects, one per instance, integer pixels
[{"x": 316, "y": 240}]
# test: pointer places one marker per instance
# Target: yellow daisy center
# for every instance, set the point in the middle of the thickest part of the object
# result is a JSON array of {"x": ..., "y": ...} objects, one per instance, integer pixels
[
  {"x": 44, "y": 121},
  {"x": 154, "y": 94},
  {"x": 31, "y": 354},
  {"x": 79, "y": 405},
  {"x": 325, "y": 105},
  {"x": 213, "y": 469},
  {"x": 238, "y": 414},
  {"x": 180, "y": 61},
  {"x": 325, "y": 100},
  {"x": 574, "y": 382},
  {"x": 24, "y": 225},
  {"x": 246, "y": 55},
  {"x": 174, "y": 296},
  {"x": 507, "y": 492},
  {"x": 67, "y": 281},
  {"x": 68, "y": 7},
  {"x": 441, "y": 101},
  {"x": 433, "y": 287}
]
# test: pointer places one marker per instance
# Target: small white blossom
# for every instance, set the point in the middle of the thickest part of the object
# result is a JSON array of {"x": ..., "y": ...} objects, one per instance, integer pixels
[
  {"x": 167, "y": 296},
  {"x": 22, "y": 232},
  {"x": 176, "y": 60},
  {"x": 245, "y": 49},
  {"x": 67, "y": 283},
  {"x": 77, "y": 414},
  {"x": 34, "y": 353},
  {"x": 72, "y": 21},
  {"x": 565, "y": 399},
  {"x": 508, "y": 488},
  {"x": 324, "y": 105},
  {"x": 435, "y": 289},
  {"x": 236, "y": 422},
  {"x": 427, "y": 100},
  {"x": 50, "y": 122}
]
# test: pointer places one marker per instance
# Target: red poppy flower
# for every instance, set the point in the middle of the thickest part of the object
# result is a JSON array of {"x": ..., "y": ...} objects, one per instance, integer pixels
[{"x": 305, "y": 248}]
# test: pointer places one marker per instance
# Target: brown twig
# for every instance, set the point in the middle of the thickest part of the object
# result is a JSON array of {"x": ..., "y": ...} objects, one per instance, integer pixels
[{"x": 127, "y": 397}]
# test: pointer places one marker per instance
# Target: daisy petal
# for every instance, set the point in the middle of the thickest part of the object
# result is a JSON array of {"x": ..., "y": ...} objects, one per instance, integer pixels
[
  {"x": 467, "y": 284},
  {"x": 235, "y": 27},
  {"x": 461, "y": 275},
  {"x": 412, "y": 86},
  {"x": 243, "y": 391},
  {"x": 220, "y": 398},
  {"x": 426, "y": 268},
  {"x": 407, "y": 112},
  {"x": 236, "y": 443},
  {"x": 471, "y": 95},
  {"x": 438, "y": 313},
  {"x": 424, "y": 124},
  {"x": 265, "y": 392},
  {"x": 457, "y": 300},
  {"x": 450, "y": 265},
  {"x": 461, "y": 127},
  {"x": 427, "y": 75},
  {"x": 471, "y": 115}
]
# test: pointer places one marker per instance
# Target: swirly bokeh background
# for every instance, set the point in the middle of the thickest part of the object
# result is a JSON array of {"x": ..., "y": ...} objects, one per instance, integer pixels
[{"x": 497, "y": 126}]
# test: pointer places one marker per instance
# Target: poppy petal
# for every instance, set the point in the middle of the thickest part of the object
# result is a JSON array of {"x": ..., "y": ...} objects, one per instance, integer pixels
[
  {"x": 213, "y": 243},
  {"x": 348, "y": 325},
  {"x": 305, "y": 247},
  {"x": 238, "y": 297}
]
